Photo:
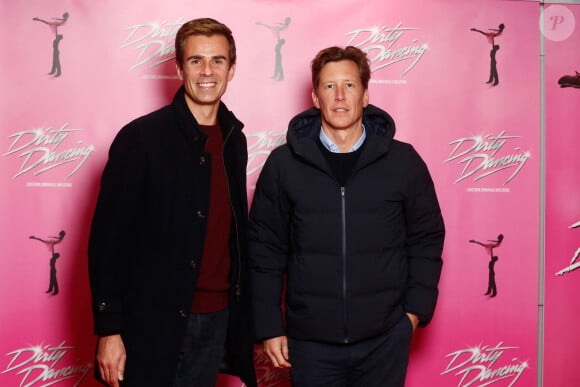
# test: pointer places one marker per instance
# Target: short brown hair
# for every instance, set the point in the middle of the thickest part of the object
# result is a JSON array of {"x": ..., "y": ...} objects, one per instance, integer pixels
[
  {"x": 335, "y": 54},
  {"x": 205, "y": 27}
]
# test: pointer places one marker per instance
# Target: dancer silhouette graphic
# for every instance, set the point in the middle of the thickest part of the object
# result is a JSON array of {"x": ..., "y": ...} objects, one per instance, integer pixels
[
  {"x": 491, "y": 285},
  {"x": 490, "y": 35},
  {"x": 276, "y": 28},
  {"x": 50, "y": 243},
  {"x": 570, "y": 80},
  {"x": 54, "y": 24}
]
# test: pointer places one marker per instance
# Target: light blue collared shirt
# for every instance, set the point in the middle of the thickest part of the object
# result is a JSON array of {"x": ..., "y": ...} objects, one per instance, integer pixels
[{"x": 331, "y": 146}]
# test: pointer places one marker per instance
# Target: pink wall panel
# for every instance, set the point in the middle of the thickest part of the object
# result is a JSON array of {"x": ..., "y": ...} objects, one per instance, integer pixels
[{"x": 481, "y": 142}]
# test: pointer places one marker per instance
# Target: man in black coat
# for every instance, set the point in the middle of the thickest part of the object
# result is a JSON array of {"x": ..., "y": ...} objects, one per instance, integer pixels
[
  {"x": 168, "y": 246},
  {"x": 349, "y": 218}
]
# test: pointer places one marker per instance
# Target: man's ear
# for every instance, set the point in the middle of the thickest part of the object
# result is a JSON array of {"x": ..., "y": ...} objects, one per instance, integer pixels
[
  {"x": 231, "y": 72},
  {"x": 179, "y": 71},
  {"x": 315, "y": 100}
]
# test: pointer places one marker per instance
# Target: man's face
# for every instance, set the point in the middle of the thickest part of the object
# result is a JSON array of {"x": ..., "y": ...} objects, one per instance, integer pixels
[
  {"x": 205, "y": 71},
  {"x": 340, "y": 96}
]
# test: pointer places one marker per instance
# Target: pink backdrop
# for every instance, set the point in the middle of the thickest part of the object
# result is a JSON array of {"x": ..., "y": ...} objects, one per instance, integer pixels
[{"x": 482, "y": 144}]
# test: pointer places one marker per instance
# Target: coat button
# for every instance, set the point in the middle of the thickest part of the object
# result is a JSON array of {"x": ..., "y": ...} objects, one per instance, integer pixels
[
  {"x": 193, "y": 264},
  {"x": 182, "y": 314},
  {"x": 202, "y": 160},
  {"x": 102, "y": 306},
  {"x": 200, "y": 214}
]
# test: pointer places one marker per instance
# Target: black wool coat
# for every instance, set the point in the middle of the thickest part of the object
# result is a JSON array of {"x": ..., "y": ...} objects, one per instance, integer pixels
[{"x": 147, "y": 238}]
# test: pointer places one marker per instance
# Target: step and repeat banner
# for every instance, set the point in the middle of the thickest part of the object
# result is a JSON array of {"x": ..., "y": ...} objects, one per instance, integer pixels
[{"x": 462, "y": 81}]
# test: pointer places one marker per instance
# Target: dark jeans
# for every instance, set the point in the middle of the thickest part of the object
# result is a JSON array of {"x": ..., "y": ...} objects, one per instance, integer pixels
[
  {"x": 203, "y": 350},
  {"x": 380, "y": 361}
]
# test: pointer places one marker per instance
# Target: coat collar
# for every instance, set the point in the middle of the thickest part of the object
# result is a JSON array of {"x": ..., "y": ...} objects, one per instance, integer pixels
[{"x": 189, "y": 125}]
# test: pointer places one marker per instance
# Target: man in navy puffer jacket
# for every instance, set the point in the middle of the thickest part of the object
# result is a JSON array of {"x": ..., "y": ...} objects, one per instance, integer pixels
[{"x": 347, "y": 219}]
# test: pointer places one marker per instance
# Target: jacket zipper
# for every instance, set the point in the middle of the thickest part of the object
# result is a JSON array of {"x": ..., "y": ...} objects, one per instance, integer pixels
[
  {"x": 343, "y": 225},
  {"x": 235, "y": 219}
]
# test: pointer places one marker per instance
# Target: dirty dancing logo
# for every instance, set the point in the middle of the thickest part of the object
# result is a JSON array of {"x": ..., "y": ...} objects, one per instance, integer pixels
[
  {"x": 154, "y": 42},
  {"x": 574, "y": 262},
  {"x": 385, "y": 46},
  {"x": 43, "y": 150},
  {"x": 481, "y": 156},
  {"x": 45, "y": 365},
  {"x": 260, "y": 144},
  {"x": 483, "y": 366}
]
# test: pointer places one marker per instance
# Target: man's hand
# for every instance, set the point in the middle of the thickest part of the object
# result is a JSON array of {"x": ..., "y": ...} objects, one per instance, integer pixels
[
  {"x": 111, "y": 359},
  {"x": 277, "y": 350},
  {"x": 414, "y": 320}
]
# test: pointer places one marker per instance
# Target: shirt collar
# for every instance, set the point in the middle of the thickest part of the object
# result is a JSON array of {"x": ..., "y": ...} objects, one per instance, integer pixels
[{"x": 332, "y": 147}]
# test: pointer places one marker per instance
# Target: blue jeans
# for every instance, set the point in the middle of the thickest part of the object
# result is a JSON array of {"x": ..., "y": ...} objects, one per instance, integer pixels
[
  {"x": 203, "y": 350},
  {"x": 379, "y": 361}
]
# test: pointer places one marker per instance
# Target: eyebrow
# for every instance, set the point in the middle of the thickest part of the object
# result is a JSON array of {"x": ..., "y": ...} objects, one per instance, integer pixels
[
  {"x": 338, "y": 81},
  {"x": 203, "y": 57}
]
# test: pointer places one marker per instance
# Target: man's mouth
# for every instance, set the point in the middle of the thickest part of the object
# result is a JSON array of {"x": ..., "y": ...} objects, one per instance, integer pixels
[{"x": 206, "y": 84}]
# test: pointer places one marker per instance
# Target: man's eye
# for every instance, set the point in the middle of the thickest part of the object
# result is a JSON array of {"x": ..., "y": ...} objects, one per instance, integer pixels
[
  {"x": 330, "y": 86},
  {"x": 350, "y": 85}
]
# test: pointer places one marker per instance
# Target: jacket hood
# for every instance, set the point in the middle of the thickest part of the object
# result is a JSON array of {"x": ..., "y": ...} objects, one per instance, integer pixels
[
  {"x": 304, "y": 129},
  {"x": 307, "y": 124}
]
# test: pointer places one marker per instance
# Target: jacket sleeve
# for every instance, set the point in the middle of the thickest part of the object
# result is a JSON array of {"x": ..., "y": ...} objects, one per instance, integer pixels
[
  {"x": 111, "y": 232},
  {"x": 268, "y": 236},
  {"x": 424, "y": 241}
]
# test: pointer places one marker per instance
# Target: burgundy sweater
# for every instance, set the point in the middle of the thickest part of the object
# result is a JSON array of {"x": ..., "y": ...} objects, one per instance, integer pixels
[{"x": 213, "y": 283}]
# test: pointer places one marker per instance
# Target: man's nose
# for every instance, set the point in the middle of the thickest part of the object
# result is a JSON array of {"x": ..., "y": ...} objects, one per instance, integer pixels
[{"x": 206, "y": 68}]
